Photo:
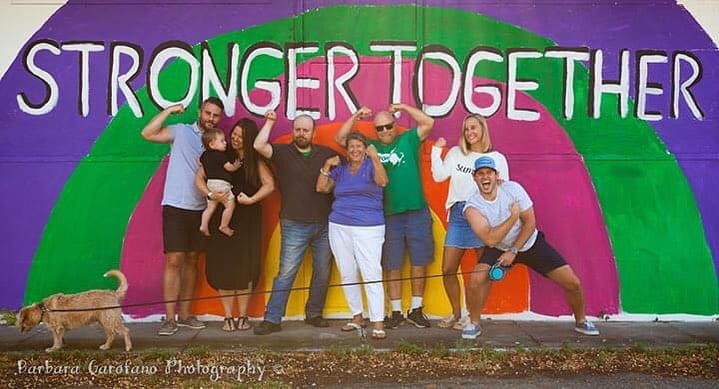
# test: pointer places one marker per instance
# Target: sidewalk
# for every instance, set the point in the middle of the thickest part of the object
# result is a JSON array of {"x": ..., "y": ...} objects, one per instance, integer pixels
[{"x": 298, "y": 336}]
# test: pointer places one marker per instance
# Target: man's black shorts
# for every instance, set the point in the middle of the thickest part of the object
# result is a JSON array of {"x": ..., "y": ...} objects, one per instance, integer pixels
[
  {"x": 541, "y": 257},
  {"x": 181, "y": 230}
]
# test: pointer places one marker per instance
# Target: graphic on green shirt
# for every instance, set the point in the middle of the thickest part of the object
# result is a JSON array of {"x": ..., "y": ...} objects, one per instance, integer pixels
[{"x": 401, "y": 160}]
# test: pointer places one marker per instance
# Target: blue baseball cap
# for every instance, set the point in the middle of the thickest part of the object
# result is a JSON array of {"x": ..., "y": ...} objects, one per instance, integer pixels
[{"x": 484, "y": 162}]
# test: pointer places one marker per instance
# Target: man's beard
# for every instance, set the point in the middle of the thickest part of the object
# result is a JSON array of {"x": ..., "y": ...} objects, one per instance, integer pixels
[{"x": 301, "y": 143}]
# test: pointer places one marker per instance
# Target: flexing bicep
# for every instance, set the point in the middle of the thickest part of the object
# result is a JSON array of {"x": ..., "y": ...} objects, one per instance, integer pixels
[
  {"x": 480, "y": 225},
  {"x": 164, "y": 135}
]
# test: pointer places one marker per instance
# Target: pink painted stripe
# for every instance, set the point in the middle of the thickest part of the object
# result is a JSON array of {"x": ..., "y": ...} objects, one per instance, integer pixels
[{"x": 142, "y": 257}]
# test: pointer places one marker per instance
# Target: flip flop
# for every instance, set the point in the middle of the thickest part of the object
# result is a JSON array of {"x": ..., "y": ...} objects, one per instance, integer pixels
[
  {"x": 378, "y": 334},
  {"x": 230, "y": 324},
  {"x": 242, "y": 324},
  {"x": 351, "y": 326}
]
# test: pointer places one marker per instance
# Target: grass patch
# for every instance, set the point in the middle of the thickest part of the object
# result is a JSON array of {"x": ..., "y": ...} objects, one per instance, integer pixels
[
  {"x": 7, "y": 317},
  {"x": 409, "y": 348},
  {"x": 198, "y": 351}
]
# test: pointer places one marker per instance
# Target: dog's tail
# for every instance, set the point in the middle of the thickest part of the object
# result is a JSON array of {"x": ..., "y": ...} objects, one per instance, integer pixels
[{"x": 122, "y": 288}]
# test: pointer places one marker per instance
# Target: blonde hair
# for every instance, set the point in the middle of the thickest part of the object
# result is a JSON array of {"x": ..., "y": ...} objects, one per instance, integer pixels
[{"x": 484, "y": 140}]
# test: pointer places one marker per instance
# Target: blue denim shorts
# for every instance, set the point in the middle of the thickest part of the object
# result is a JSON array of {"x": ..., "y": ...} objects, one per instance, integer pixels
[
  {"x": 459, "y": 233},
  {"x": 413, "y": 229}
]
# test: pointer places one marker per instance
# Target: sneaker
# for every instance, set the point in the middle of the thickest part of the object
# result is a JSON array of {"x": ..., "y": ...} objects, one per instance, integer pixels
[
  {"x": 267, "y": 327},
  {"x": 191, "y": 322},
  {"x": 417, "y": 317},
  {"x": 317, "y": 321},
  {"x": 167, "y": 328},
  {"x": 394, "y": 321},
  {"x": 471, "y": 331},
  {"x": 461, "y": 323},
  {"x": 587, "y": 328}
]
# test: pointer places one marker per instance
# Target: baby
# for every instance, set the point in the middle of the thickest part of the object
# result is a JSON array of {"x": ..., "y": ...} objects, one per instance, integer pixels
[{"x": 217, "y": 171}]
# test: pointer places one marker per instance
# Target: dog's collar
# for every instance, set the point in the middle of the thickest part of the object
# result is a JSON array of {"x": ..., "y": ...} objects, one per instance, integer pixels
[{"x": 43, "y": 309}]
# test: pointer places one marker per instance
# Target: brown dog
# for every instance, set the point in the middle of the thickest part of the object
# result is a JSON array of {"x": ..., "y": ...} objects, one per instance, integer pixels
[{"x": 58, "y": 322}]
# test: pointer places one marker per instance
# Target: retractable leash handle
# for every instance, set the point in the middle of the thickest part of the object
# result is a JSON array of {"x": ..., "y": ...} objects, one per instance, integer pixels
[{"x": 497, "y": 272}]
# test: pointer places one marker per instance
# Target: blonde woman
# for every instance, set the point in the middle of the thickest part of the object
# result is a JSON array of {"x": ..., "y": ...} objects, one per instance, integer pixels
[{"x": 457, "y": 166}]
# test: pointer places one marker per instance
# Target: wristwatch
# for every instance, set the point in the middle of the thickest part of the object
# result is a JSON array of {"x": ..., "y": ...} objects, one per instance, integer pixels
[
  {"x": 513, "y": 250},
  {"x": 209, "y": 195}
]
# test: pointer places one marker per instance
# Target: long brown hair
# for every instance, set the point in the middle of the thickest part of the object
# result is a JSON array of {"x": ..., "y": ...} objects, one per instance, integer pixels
[{"x": 251, "y": 162}]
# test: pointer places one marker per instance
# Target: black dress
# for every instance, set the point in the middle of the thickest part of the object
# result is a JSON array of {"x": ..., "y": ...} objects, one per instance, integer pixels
[{"x": 233, "y": 262}]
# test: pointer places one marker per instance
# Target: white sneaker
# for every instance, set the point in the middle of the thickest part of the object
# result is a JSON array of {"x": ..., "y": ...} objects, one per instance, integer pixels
[{"x": 471, "y": 331}]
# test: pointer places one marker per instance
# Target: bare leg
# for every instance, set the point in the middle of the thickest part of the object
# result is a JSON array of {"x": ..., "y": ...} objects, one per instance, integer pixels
[
  {"x": 566, "y": 278},
  {"x": 227, "y": 216},
  {"x": 227, "y": 298},
  {"x": 206, "y": 215},
  {"x": 417, "y": 273},
  {"x": 188, "y": 281},
  {"x": 243, "y": 300},
  {"x": 394, "y": 284},
  {"x": 479, "y": 287},
  {"x": 450, "y": 264},
  {"x": 171, "y": 281}
]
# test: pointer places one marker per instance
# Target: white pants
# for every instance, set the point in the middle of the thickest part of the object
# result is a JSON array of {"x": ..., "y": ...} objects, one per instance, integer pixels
[{"x": 358, "y": 250}]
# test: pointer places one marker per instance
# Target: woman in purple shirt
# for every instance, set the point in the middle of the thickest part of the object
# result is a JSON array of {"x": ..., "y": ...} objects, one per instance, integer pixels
[{"x": 356, "y": 227}]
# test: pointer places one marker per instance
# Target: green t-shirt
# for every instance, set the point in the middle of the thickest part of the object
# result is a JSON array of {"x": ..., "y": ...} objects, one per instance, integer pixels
[{"x": 401, "y": 160}]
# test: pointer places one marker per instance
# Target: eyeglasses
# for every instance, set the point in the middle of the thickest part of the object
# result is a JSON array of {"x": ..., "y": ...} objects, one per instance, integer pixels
[{"x": 384, "y": 127}]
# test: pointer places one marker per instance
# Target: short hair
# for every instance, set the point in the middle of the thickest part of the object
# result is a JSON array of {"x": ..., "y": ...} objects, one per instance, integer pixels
[
  {"x": 213, "y": 100},
  {"x": 209, "y": 135},
  {"x": 304, "y": 115},
  {"x": 485, "y": 141},
  {"x": 356, "y": 136}
]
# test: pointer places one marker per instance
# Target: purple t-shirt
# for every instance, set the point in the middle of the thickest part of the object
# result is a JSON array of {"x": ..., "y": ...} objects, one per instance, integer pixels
[{"x": 358, "y": 199}]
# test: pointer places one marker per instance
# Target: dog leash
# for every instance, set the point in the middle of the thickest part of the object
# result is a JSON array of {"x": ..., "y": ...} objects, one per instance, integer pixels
[{"x": 258, "y": 293}]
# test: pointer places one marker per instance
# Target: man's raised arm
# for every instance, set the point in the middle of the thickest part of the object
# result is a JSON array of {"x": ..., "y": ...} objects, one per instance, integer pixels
[
  {"x": 155, "y": 131},
  {"x": 424, "y": 121},
  {"x": 262, "y": 144}
]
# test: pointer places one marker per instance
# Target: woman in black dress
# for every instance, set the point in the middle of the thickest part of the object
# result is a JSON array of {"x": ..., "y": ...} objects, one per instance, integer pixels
[{"x": 233, "y": 262}]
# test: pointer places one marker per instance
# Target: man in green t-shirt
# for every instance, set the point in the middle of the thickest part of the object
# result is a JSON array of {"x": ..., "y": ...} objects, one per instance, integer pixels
[{"x": 408, "y": 222}]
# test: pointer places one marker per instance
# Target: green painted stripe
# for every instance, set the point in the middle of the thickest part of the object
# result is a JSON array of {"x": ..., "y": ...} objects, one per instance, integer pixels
[{"x": 637, "y": 219}]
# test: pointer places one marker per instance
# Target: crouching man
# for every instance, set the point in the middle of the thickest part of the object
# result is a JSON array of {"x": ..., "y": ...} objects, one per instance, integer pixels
[{"x": 502, "y": 216}]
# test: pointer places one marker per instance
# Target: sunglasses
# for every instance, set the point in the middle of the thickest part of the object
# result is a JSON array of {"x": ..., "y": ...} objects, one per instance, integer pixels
[{"x": 384, "y": 127}]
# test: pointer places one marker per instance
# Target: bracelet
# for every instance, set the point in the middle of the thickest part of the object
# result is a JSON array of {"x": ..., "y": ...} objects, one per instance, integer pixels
[{"x": 324, "y": 172}]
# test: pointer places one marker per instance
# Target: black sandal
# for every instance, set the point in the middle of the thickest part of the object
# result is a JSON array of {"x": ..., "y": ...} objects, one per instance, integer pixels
[
  {"x": 230, "y": 323},
  {"x": 242, "y": 323}
]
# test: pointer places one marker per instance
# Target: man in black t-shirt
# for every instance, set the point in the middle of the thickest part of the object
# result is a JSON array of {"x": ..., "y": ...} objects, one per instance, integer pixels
[{"x": 303, "y": 219}]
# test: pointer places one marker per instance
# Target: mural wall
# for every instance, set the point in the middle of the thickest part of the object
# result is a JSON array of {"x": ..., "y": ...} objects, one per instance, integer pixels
[{"x": 608, "y": 117}]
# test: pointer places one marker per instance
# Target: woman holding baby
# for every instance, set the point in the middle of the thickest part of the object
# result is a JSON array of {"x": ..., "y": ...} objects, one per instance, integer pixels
[{"x": 233, "y": 262}]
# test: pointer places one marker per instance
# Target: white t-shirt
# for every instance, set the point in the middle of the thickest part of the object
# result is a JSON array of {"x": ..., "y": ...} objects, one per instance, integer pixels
[
  {"x": 458, "y": 168},
  {"x": 497, "y": 211}
]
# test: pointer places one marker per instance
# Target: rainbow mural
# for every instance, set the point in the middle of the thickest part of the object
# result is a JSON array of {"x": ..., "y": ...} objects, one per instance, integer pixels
[{"x": 607, "y": 117}]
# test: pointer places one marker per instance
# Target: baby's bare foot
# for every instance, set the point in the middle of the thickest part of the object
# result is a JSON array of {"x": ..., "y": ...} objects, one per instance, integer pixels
[
  {"x": 226, "y": 230},
  {"x": 205, "y": 231}
]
